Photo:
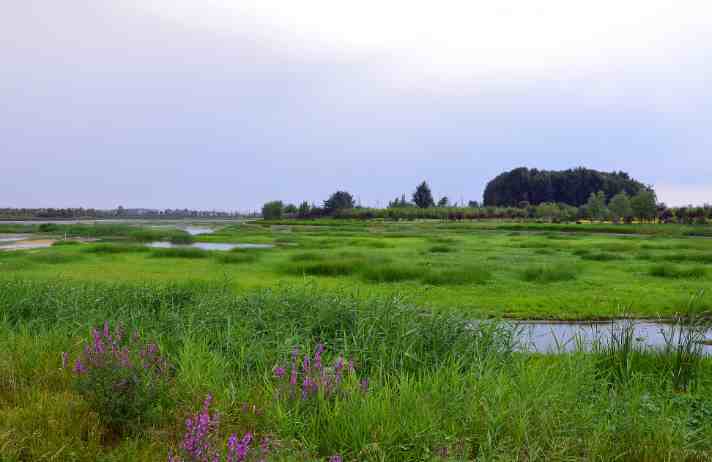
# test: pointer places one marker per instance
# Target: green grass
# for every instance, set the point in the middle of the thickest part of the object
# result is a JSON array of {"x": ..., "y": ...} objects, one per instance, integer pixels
[
  {"x": 610, "y": 270},
  {"x": 440, "y": 387},
  {"x": 180, "y": 252},
  {"x": 545, "y": 274},
  {"x": 674, "y": 272}
]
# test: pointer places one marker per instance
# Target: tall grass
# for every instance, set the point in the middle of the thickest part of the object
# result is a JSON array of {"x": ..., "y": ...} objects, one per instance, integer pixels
[
  {"x": 548, "y": 273},
  {"x": 441, "y": 387}
]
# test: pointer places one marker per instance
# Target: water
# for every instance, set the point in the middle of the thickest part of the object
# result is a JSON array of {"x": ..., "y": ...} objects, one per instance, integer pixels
[
  {"x": 13, "y": 238},
  {"x": 210, "y": 245},
  {"x": 548, "y": 337},
  {"x": 195, "y": 230}
]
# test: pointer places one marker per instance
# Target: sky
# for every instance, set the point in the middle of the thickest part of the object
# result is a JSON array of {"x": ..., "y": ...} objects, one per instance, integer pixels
[{"x": 224, "y": 104}]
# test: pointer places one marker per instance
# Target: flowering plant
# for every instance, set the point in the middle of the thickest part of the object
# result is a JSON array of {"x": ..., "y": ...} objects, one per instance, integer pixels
[
  {"x": 123, "y": 378},
  {"x": 201, "y": 441},
  {"x": 308, "y": 376}
]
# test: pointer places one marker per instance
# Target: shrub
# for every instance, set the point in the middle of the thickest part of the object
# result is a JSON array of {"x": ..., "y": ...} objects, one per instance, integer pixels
[
  {"x": 123, "y": 379},
  {"x": 546, "y": 274}
]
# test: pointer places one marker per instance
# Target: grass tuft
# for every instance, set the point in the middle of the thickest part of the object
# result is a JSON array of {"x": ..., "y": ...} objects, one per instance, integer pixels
[{"x": 548, "y": 273}]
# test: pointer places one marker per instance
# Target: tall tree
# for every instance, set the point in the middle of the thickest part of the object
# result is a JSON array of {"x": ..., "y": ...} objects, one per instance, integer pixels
[
  {"x": 423, "y": 197},
  {"x": 340, "y": 200},
  {"x": 644, "y": 205},
  {"x": 272, "y": 210},
  {"x": 620, "y": 207},
  {"x": 444, "y": 202},
  {"x": 596, "y": 206}
]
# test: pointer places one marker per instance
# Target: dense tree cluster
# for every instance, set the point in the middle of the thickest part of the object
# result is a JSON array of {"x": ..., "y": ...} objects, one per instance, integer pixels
[{"x": 573, "y": 186}]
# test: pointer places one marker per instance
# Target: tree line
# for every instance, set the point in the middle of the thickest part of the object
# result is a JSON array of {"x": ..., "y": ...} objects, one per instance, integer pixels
[
  {"x": 77, "y": 213},
  {"x": 620, "y": 208}
]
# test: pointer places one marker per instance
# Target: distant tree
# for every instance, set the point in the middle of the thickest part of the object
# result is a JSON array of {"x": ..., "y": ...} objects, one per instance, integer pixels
[
  {"x": 548, "y": 211},
  {"x": 290, "y": 208},
  {"x": 473, "y": 204},
  {"x": 272, "y": 210},
  {"x": 423, "y": 197},
  {"x": 120, "y": 211},
  {"x": 644, "y": 205},
  {"x": 340, "y": 200},
  {"x": 596, "y": 206},
  {"x": 572, "y": 186},
  {"x": 304, "y": 209},
  {"x": 444, "y": 202},
  {"x": 399, "y": 202},
  {"x": 620, "y": 207}
]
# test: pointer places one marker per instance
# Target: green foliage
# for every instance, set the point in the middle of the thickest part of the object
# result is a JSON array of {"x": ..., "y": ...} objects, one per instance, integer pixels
[
  {"x": 441, "y": 248},
  {"x": 272, "y": 210},
  {"x": 340, "y": 200},
  {"x": 457, "y": 276},
  {"x": 423, "y": 197},
  {"x": 573, "y": 186},
  {"x": 238, "y": 257},
  {"x": 596, "y": 206},
  {"x": 620, "y": 207},
  {"x": 644, "y": 205},
  {"x": 64, "y": 243}
]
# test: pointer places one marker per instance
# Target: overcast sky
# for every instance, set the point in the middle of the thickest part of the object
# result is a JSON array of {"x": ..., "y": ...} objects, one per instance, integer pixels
[{"x": 229, "y": 103}]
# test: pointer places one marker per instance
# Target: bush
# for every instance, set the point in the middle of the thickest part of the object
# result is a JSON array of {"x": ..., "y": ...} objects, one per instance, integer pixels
[
  {"x": 123, "y": 379},
  {"x": 272, "y": 210}
]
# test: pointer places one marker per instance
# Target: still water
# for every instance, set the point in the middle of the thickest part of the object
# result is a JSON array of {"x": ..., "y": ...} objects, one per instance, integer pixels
[
  {"x": 210, "y": 245},
  {"x": 550, "y": 337}
]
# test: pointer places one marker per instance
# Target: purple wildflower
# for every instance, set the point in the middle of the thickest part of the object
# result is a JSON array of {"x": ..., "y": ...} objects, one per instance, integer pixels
[
  {"x": 336, "y": 458},
  {"x": 364, "y": 385},
  {"x": 279, "y": 372},
  {"x": 79, "y": 368}
]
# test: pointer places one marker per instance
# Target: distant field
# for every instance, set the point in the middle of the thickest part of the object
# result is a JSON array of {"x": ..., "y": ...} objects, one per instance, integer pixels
[{"x": 478, "y": 268}]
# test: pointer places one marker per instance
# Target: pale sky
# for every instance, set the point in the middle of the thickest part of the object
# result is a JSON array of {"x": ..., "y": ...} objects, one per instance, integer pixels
[{"x": 228, "y": 104}]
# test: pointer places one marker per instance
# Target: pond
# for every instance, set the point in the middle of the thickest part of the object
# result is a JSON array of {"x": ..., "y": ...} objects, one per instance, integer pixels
[
  {"x": 548, "y": 337},
  {"x": 210, "y": 245},
  {"x": 195, "y": 230}
]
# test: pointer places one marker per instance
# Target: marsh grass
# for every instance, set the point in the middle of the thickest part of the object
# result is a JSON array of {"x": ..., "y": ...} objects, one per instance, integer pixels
[
  {"x": 457, "y": 276},
  {"x": 544, "y": 274},
  {"x": 664, "y": 270},
  {"x": 238, "y": 257},
  {"x": 115, "y": 248},
  {"x": 602, "y": 256},
  {"x": 65, "y": 243},
  {"x": 442, "y": 387},
  {"x": 441, "y": 248},
  {"x": 391, "y": 272},
  {"x": 180, "y": 252},
  {"x": 52, "y": 258}
]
